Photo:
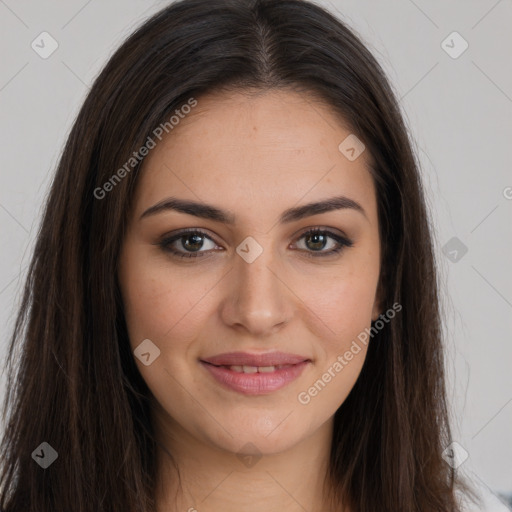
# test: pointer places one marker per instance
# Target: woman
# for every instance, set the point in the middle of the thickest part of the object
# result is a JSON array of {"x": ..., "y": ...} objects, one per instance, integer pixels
[{"x": 232, "y": 302}]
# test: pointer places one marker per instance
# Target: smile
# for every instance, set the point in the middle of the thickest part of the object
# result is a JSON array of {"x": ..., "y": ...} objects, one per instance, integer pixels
[
  {"x": 255, "y": 380},
  {"x": 254, "y": 369}
]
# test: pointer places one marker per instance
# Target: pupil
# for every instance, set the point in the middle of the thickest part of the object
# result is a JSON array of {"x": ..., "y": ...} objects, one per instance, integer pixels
[
  {"x": 318, "y": 242},
  {"x": 316, "y": 237},
  {"x": 198, "y": 241}
]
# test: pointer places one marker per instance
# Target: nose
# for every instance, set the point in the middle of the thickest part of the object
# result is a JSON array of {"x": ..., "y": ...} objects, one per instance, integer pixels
[{"x": 258, "y": 299}]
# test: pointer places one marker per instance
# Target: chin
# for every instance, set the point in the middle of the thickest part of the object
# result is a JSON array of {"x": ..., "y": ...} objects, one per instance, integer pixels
[{"x": 256, "y": 441}]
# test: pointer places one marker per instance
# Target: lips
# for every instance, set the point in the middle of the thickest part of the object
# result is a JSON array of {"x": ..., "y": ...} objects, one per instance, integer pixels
[
  {"x": 255, "y": 374},
  {"x": 255, "y": 360}
]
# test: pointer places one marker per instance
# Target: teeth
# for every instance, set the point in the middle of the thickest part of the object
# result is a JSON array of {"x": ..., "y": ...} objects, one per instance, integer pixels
[
  {"x": 255, "y": 369},
  {"x": 266, "y": 369}
]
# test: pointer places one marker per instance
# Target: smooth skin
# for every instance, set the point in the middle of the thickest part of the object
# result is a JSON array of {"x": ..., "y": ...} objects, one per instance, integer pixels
[{"x": 253, "y": 157}]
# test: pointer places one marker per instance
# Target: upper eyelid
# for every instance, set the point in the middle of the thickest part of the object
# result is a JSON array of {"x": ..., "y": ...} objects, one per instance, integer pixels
[{"x": 175, "y": 236}]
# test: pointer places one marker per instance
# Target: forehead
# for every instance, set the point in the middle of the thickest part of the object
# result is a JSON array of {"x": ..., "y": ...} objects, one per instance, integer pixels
[{"x": 255, "y": 150}]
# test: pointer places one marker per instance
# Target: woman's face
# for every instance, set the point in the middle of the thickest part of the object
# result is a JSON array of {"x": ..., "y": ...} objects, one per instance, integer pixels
[{"x": 254, "y": 281}]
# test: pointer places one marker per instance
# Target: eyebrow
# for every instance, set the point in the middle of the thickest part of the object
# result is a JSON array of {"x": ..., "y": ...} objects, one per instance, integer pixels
[{"x": 206, "y": 211}]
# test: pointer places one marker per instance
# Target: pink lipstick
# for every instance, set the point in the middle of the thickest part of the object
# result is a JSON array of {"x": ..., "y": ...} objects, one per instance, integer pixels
[{"x": 255, "y": 374}]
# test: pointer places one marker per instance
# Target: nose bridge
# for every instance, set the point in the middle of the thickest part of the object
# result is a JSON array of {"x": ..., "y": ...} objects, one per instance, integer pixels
[{"x": 259, "y": 300}]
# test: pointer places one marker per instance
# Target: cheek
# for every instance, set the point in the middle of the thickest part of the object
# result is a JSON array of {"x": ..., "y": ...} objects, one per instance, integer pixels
[
  {"x": 158, "y": 303},
  {"x": 341, "y": 304},
  {"x": 343, "y": 301},
  {"x": 344, "y": 308}
]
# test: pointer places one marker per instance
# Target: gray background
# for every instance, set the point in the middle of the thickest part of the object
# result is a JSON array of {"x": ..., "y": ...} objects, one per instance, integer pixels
[{"x": 459, "y": 111}]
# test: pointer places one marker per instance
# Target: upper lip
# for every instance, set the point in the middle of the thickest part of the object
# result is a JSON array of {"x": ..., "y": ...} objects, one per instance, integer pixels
[{"x": 247, "y": 359}]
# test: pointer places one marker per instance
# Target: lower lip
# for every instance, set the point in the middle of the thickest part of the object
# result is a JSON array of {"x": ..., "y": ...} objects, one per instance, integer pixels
[{"x": 255, "y": 383}]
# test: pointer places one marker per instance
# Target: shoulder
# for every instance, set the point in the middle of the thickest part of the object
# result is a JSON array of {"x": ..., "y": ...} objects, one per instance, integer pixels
[{"x": 490, "y": 502}]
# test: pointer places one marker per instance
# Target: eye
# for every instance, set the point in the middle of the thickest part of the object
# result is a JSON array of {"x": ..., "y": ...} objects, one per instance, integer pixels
[
  {"x": 187, "y": 244},
  {"x": 317, "y": 239}
]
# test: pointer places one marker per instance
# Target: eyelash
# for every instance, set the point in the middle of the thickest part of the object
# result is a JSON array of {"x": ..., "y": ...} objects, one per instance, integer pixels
[{"x": 167, "y": 241}]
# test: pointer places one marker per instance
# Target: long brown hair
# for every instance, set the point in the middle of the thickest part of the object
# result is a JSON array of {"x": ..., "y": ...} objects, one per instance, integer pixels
[{"x": 72, "y": 380}]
